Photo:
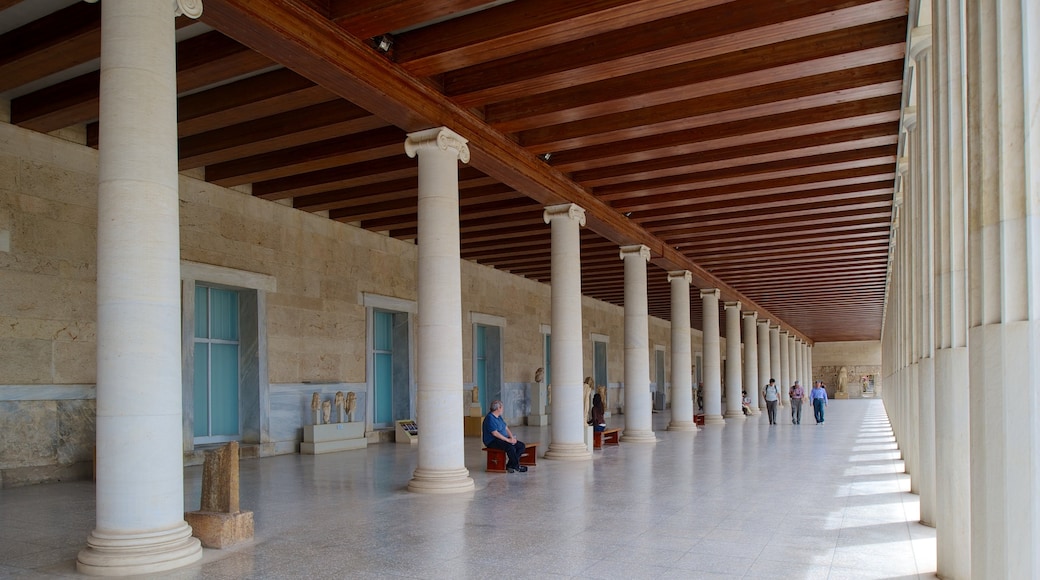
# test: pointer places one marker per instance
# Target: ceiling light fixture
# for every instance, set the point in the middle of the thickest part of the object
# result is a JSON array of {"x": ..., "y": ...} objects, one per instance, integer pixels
[
  {"x": 628, "y": 214},
  {"x": 546, "y": 157},
  {"x": 384, "y": 43}
]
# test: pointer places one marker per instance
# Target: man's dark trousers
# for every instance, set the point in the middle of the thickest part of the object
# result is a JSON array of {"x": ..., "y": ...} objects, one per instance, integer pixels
[{"x": 513, "y": 451}]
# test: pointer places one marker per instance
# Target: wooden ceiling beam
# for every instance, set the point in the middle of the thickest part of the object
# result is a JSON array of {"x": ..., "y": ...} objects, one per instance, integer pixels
[
  {"x": 345, "y": 150},
  {"x": 874, "y": 79},
  {"x": 61, "y": 40},
  {"x": 370, "y": 193},
  {"x": 343, "y": 176},
  {"x": 768, "y": 65},
  {"x": 766, "y": 228},
  {"x": 726, "y": 27},
  {"x": 809, "y": 121},
  {"x": 794, "y": 209},
  {"x": 369, "y": 18},
  {"x": 305, "y": 41},
  {"x": 517, "y": 27}
]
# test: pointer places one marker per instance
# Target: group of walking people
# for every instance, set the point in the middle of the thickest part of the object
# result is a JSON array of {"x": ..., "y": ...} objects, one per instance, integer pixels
[{"x": 817, "y": 398}]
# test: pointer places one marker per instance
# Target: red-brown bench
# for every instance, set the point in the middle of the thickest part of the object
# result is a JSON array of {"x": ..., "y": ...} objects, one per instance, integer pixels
[
  {"x": 605, "y": 437},
  {"x": 496, "y": 458}
]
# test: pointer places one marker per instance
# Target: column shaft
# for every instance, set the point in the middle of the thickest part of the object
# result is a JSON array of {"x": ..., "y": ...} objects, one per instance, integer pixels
[
  {"x": 638, "y": 409},
  {"x": 1004, "y": 286},
  {"x": 140, "y": 512},
  {"x": 751, "y": 360},
  {"x": 712, "y": 357},
  {"x": 682, "y": 353},
  {"x": 441, "y": 456},
  {"x": 734, "y": 369},
  {"x": 764, "y": 354},
  {"x": 785, "y": 367},
  {"x": 568, "y": 422}
]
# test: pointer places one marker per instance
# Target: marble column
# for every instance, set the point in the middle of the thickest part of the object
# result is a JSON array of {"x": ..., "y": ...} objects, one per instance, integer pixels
[
  {"x": 792, "y": 353},
  {"x": 441, "y": 463},
  {"x": 140, "y": 527},
  {"x": 567, "y": 428},
  {"x": 734, "y": 368},
  {"x": 712, "y": 357},
  {"x": 751, "y": 359},
  {"x": 682, "y": 353},
  {"x": 774, "y": 354},
  {"x": 764, "y": 355},
  {"x": 638, "y": 408},
  {"x": 920, "y": 51},
  {"x": 1003, "y": 285},
  {"x": 952, "y": 441},
  {"x": 785, "y": 367}
]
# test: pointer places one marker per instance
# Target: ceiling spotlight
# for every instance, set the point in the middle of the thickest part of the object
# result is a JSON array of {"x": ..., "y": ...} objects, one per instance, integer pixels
[
  {"x": 384, "y": 43},
  {"x": 546, "y": 157},
  {"x": 628, "y": 214}
]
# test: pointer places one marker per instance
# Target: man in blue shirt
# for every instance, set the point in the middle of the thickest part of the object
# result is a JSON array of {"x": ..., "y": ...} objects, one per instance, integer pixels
[
  {"x": 498, "y": 436},
  {"x": 818, "y": 396}
]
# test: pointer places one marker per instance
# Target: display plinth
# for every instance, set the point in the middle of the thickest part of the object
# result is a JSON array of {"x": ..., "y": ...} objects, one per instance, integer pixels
[
  {"x": 406, "y": 431},
  {"x": 473, "y": 426},
  {"x": 844, "y": 395},
  {"x": 333, "y": 437}
]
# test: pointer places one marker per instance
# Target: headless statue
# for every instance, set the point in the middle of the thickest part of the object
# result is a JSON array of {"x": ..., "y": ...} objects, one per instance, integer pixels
[
  {"x": 351, "y": 404},
  {"x": 316, "y": 408}
]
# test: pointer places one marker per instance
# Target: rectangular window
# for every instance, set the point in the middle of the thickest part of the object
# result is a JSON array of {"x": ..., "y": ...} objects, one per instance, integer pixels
[{"x": 216, "y": 373}]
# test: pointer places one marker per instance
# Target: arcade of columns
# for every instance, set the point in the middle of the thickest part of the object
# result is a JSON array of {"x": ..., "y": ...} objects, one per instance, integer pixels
[
  {"x": 962, "y": 328},
  {"x": 140, "y": 524},
  {"x": 960, "y": 337}
]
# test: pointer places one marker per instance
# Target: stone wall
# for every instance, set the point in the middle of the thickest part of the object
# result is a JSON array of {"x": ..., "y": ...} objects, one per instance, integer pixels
[{"x": 313, "y": 312}]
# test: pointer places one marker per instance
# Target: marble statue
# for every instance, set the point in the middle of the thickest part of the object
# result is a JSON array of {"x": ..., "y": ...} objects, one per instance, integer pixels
[
  {"x": 326, "y": 411},
  {"x": 338, "y": 404},
  {"x": 539, "y": 375},
  {"x": 474, "y": 395},
  {"x": 587, "y": 395},
  {"x": 350, "y": 405},
  {"x": 316, "y": 408},
  {"x": 843, "y": 379},
  {"x": 548, "y": 395}
]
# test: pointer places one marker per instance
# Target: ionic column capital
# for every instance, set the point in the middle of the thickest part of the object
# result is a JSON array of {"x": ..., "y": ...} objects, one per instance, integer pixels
[
  {"x": 764, "y": 322},
  {"x": 783, "y": 333},
  {"x": 438, "y": 138},
  {"x": 909, "y": 118},
  {"x": 190, "y": 8},
  {"x": 713, "y": 292},
  {"x": 681, "y": 274},
  {"x": 920, "y": 41},
  {"x": 637, "y": 250},
  {"x": 564, "y": 210},
  {"x": 732, "y": 305},
  {"x": 775, "y": 327},
  {"x": 750, "y": 314}
]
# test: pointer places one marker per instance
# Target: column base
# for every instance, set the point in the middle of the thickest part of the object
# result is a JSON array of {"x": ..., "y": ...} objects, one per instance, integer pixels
[
  {"x": 735, "y": 414},
  {"x": 568, "y": 452},
  {"x": 714, "y": 420},
  {"x": 756, "y": 411},
  {"x": 441, "y": 481},
  {"x": 109, "y": 554},
  {"x": 641, "y": 436},
  {"x": 683, "y": 426}
]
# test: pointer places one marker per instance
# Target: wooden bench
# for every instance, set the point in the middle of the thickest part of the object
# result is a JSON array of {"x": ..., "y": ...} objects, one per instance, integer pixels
[
  {"x": 496, "y": 458},
  {"x": 698, "y": 419},
  {"x": 605, "y": 437}
]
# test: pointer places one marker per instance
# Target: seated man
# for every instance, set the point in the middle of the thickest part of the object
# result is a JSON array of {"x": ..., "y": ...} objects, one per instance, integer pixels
[{"x": 498, "y": 436}]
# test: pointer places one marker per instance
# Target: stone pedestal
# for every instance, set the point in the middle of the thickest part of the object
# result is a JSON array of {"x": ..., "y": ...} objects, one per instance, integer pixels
[
  {"x": 334, "y": 437},
  {"x": 841, "y": 395},
  {"x": 473, "y": 426},
  {"x": 538, "y": 415},
  {"x": 220, "y": 530}
]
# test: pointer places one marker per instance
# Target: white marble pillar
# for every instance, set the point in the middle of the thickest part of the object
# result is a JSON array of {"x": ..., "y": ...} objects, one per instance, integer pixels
[
  {"x": 734, "y": 368},
  {"x": 785, "y": 367},
  {"x": 764, "y": 355},
  {"x": 952, "y": 441},
  {"x": 712, "y": 357},
  {"x": 140, "y": 527},
  {"x": 792, "y": 354},
  {"x": 774, "y": 354},
  {"x": 1004, "y": 286},
  {"x": 751, "y": 359},
  {"x": 567, "y": 428},
  {"x": 441, "y": 455},
  {"x": 920, "y": 51},
  {"x": 682, "y": 353},
  {"x": 638, "y": 408}
]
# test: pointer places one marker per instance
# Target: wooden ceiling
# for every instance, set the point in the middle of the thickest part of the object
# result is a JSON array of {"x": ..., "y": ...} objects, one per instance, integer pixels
[{"x": 752, "y": 142}]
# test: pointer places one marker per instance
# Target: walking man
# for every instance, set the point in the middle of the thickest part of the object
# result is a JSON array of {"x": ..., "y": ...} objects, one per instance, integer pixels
[
  {"x": 818, "y": 396},
  {"x": 797, "y": 394},
  {"x": 771, "y": 395}
]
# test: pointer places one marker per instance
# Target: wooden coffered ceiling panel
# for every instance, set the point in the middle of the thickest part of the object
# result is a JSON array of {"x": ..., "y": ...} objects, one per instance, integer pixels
[{"x": 752, "y": 142}]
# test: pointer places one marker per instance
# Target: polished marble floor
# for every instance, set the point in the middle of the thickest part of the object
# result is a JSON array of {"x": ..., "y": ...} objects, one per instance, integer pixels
[{"x": 747, "y": 500}]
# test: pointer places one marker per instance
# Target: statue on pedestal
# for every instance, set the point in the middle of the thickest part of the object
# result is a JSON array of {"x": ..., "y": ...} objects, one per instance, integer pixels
[
  {"x": 474, "y": 395},
  {"x": 316, "y": 408},
  {"x": 843, "y": 379},
  {"x": 326, "y": 411},
  {"x": 350, "y": 405},
  {"x": 539, "y": 375},
  {"x": 338, "y": 404},
  {"x": 587, "y": 395}
]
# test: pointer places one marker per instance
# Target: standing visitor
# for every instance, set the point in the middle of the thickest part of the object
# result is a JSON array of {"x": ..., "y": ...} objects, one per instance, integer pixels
[
  {"x": 771, "y": 395},
  {"x": 818, "y": 397},
  {"x": 797, "y": 394}
]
